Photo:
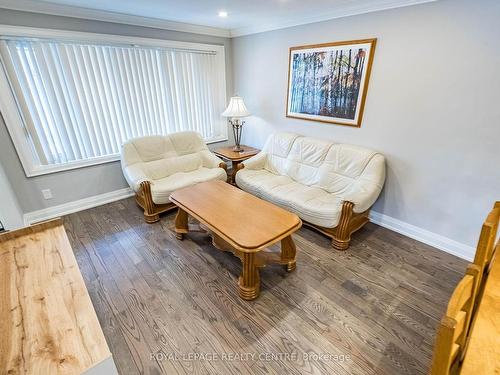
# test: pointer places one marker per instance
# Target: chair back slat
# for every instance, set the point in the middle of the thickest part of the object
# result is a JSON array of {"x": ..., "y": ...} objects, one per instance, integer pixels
[
  {"x": 460, "y": 296},
  {"x": 493, "y": 254},
  {"x": 453, "y": 331},
  {"x": 460, "y": 318},
  {"x": 493, "y": 248},
  {"x": 486, "y": 244}
]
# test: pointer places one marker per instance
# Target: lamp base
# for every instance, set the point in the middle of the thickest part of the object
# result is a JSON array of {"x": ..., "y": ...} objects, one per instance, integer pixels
[{"x": 237, "y": 128}]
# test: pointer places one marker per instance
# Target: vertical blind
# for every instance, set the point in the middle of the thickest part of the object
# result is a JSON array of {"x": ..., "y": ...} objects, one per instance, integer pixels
[{"x": 82, "y": 101}]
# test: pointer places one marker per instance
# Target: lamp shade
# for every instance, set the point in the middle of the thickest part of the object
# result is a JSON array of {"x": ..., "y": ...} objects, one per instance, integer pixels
[{"x": 236, "y": 108}]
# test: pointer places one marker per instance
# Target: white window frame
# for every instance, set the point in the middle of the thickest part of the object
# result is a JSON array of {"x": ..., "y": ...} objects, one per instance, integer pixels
[{"x": 14, "y": 118}]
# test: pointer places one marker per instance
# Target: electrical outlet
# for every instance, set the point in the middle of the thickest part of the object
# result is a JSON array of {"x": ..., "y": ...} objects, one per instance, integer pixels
[{"x": 47, "y": 194}]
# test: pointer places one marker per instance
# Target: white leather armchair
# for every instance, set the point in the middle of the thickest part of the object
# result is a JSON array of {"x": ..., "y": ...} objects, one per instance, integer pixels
[
  {"x": 155, "y": 166},
  {"x": 329, "y": 186}
]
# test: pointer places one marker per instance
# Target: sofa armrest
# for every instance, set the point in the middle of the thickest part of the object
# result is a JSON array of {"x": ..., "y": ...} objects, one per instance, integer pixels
[
  {"x": 134, "y": 175},
  {"x": 256, "y": 162},
  {"x": 366, "y": 189},
  {"x": 209, "y": 160}
]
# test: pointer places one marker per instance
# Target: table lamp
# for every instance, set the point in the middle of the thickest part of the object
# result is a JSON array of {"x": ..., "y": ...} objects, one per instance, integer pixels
[{"x": 235, "y": 110}]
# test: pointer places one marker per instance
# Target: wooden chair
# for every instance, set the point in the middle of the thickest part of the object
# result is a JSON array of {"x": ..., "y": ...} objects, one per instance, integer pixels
[
  {"x": 486, "y": 245},
  {"x": 453, "y": 331}
]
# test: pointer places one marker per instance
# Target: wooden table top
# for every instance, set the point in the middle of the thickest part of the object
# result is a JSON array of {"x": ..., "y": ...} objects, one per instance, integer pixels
[
  {"x": 483, "y": 353},
  {"x": 246, "y": 222},
  {"x": 229, "y": 154},
  {"x": 47, "y": 322}
]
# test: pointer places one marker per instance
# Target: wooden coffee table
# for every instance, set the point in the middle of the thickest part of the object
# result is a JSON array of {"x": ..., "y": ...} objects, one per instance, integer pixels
[{"x": 242, "y": 224}]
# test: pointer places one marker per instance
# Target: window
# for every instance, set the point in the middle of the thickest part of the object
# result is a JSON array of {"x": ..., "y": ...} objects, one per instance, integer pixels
[{"x": 77, "y": 101}]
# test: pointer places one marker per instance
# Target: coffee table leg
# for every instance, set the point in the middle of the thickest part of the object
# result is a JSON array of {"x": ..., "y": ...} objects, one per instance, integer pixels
[
  {"x": 181, "y": 224},
  {"x": 249, "y": 281},
  {"x": 288, "y": 253}
]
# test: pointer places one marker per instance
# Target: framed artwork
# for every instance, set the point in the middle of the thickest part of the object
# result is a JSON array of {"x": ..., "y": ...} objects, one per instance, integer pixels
[{"x": 328, "y": 82}]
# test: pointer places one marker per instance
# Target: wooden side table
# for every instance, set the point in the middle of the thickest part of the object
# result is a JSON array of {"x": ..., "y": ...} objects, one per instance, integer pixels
[{"x": 234, "y": 157}]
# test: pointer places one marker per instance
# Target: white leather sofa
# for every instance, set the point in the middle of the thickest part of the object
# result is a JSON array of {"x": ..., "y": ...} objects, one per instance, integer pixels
[
  {"x": 329, "y": 186},
  {"x": 155, "y": 166}
]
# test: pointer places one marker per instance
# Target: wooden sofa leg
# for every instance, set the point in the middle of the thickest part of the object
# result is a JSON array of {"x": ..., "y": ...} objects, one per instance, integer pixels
[
  {"x": 150, "y": 219},
  {"x": 150, "y": 216},
  {"x": 342, "y": 236}
]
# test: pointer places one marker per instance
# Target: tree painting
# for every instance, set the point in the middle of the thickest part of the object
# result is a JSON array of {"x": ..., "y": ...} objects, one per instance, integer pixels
[{"x": 327, "y": 82}]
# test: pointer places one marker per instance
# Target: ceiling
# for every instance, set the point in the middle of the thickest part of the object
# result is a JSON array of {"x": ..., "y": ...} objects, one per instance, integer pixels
[{"x": 201, "y": 16}]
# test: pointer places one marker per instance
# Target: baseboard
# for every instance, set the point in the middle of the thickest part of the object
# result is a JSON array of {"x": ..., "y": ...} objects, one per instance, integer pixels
[
  {"x": 433, "y": 239},
  {"x": 75, "y": 206}
]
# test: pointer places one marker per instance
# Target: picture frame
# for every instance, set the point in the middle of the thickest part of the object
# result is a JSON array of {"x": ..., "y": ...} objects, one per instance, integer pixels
[{"x": 329, "y": 82}]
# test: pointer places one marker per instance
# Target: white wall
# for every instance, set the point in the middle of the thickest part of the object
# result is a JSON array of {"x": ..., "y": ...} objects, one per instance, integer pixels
[
  {"x": 433, "y": 106},
  {"x": 11, "y": 214},
  {"x": 69, "y": 186}
]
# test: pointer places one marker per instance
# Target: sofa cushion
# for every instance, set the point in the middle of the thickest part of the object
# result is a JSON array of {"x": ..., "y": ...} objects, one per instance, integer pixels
[
  {"x": 277, "y": 150},
  {"x": 349, "y": 160},
  {"x": 162, "y": 188},
  {"x": 312, "y": 204},
  {"x": 342, "y": 166},
  {"x": 187, "y": 142},
  {"x": 305, "y": 158},
  {"x": 147, "y": 149},
  {"x": 165, "y": 167}
]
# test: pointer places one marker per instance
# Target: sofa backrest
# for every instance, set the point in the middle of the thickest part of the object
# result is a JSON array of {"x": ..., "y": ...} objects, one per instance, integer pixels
[
  {"x": 315, "y": 162},
  {"x": 160, "y": 156}
]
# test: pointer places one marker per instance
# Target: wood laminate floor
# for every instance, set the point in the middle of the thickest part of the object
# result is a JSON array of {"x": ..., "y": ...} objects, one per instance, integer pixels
[{"x": 173, "y": 307}]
